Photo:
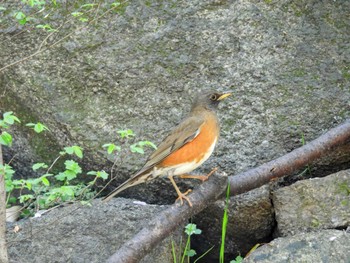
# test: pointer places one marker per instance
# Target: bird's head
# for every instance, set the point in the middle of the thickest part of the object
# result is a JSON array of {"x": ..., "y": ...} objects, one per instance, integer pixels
[{"x": 210, "y": 99}]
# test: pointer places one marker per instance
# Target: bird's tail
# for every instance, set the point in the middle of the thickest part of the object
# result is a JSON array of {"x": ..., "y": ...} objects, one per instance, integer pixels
[{"x": 135, "y": 180}]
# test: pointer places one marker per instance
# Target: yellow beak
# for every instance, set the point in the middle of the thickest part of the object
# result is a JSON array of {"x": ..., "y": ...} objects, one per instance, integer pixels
[{"x": 225, "y": 95}]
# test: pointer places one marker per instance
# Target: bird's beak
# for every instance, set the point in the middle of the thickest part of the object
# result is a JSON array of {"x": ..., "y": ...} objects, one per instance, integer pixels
[{"x": 225, "y": 95}]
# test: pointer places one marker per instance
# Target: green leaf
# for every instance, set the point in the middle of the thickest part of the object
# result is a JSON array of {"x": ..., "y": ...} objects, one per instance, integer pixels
[
  {"x": 147, "y": 143},
  {"x": 238, "y": 259},
  {"x": 76, "y": 14},
  {"x": 78, "y": 151},
  {"x": 45, "y": 181},
  {"x": 37, "y": 127},
  {"x": 61, "y": 176},
  {"x": 18, "y": 183},
  {"x": 135, "y": 148},
  {"x": 9, "y": 118},
  {"x": 70, "y": 175},
  {"x": 20, "y": 15},
  {"x": 12, "y": 200},
  {"x": 88, "y": 5},
  {"x": 37, "y": 166},
  {"x": 64, "y": 193},
  {"x": 99, "y": 174},
  {"x": 72, "y": 166},
  {"x": 116, "y": 4},
  {"x": 102, "y": 174},
  {"x": 83, "y": 19},
  {"x": 45, "y": 27},
  {"x": 190, "y": 253},
  {"x": 191, "y": 229},
  {"x": 7, "y": 170},
  {"x": 21, "y": 18},
  {"x": 28, "y": 184},
  {"x": 126, "y": 133},
  {"x": 111, "y": 148},
  {"x": 68, "y": 190},
  {"x": 5, "y": 139},
  {"x": 24, "y": 198},
  {"x": 9, "y": 185},
  {"x": 69, "y": 150}
]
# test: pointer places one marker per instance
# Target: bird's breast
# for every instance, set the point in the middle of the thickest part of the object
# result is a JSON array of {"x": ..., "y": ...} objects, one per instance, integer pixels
[{"x": 194, "y": 153}]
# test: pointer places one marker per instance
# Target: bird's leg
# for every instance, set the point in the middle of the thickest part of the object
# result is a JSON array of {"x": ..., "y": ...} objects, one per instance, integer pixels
[
  {"x": 199, "y": 177},
  {"x": 179, "y": 193}
]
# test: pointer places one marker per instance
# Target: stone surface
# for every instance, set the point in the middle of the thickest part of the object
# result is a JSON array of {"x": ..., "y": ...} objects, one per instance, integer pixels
[
  {"x": 287, "y": 62},
  {"x": 250, "y": 221},
  {"x": 322, "y": 247},
  {"x": 85, "y": 234},
  {"x": 313, "y": 204}
]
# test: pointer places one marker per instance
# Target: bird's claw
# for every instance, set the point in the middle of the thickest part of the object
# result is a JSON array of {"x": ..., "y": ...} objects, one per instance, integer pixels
[{"x": 183, "y": 196}]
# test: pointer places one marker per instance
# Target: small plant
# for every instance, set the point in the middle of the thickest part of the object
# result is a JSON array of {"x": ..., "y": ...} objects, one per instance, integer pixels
[
  {"x": 138, "y": 147},
  {"x": 50, "y": 189},
  {"x": 238, "y": 259},
  {"x": 125, "y": 135},
  {"x": 188, "y": 252},
  {"x": 37, "y": 127},
  {"x": 21, "y": 18}
]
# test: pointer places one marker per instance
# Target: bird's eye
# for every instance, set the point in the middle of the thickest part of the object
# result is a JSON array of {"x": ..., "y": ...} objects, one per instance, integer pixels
[{"x": 213, "y": 97}]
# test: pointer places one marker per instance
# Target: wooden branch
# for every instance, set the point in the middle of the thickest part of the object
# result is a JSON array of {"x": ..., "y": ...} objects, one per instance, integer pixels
[
  {"x": 291, "y": 162},
  {"x": 3, "y": 245},
  {"x": 166, "y": 222}
]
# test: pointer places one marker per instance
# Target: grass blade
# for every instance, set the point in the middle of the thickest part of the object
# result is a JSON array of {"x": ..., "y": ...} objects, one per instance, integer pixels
[{"x": 224, "y": 225}]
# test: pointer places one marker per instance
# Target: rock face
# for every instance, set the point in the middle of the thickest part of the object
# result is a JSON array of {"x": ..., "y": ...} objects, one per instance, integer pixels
[
  {"x": 318, "y": 203},
  {"x": 139, "y": 69},
  {"x": 287, "y": 61},
  {"x": 324, "y": 246},
  {"x": 85, "y": 234}
]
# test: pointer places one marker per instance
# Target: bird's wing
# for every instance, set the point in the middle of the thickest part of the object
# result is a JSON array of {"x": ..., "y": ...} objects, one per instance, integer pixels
[{"x": 185, "y": 132}]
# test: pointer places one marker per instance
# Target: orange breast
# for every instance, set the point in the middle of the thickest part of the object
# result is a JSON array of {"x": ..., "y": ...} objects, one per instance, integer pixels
[{"x": 197, "y": 148}]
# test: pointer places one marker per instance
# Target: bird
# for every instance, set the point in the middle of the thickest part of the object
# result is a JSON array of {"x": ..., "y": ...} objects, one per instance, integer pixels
[{"x": 186, "y": 147}]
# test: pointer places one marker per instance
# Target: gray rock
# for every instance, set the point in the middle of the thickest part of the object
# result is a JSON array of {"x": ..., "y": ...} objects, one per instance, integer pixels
[
  {"x": 287, "y": 63},
  {"x": 323, "y": 247},
  {"x": 83, "y": 234},
  {"x": 313, "y": 204},
  {"x": 250, "y": 221}
]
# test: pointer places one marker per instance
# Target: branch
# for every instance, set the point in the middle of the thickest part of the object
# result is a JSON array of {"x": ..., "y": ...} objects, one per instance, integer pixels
[
  {"x": 290, "y": 162},
  {"x": 169, "y": 220},
  {"x": 3, "y": 246}
]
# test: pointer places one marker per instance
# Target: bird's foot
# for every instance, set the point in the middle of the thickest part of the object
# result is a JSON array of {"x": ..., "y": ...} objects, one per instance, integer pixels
[
  {"x": 184, "y": 196},
  {"x": 211, "y": 172},
  {"x": 198, "y": 177}
]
